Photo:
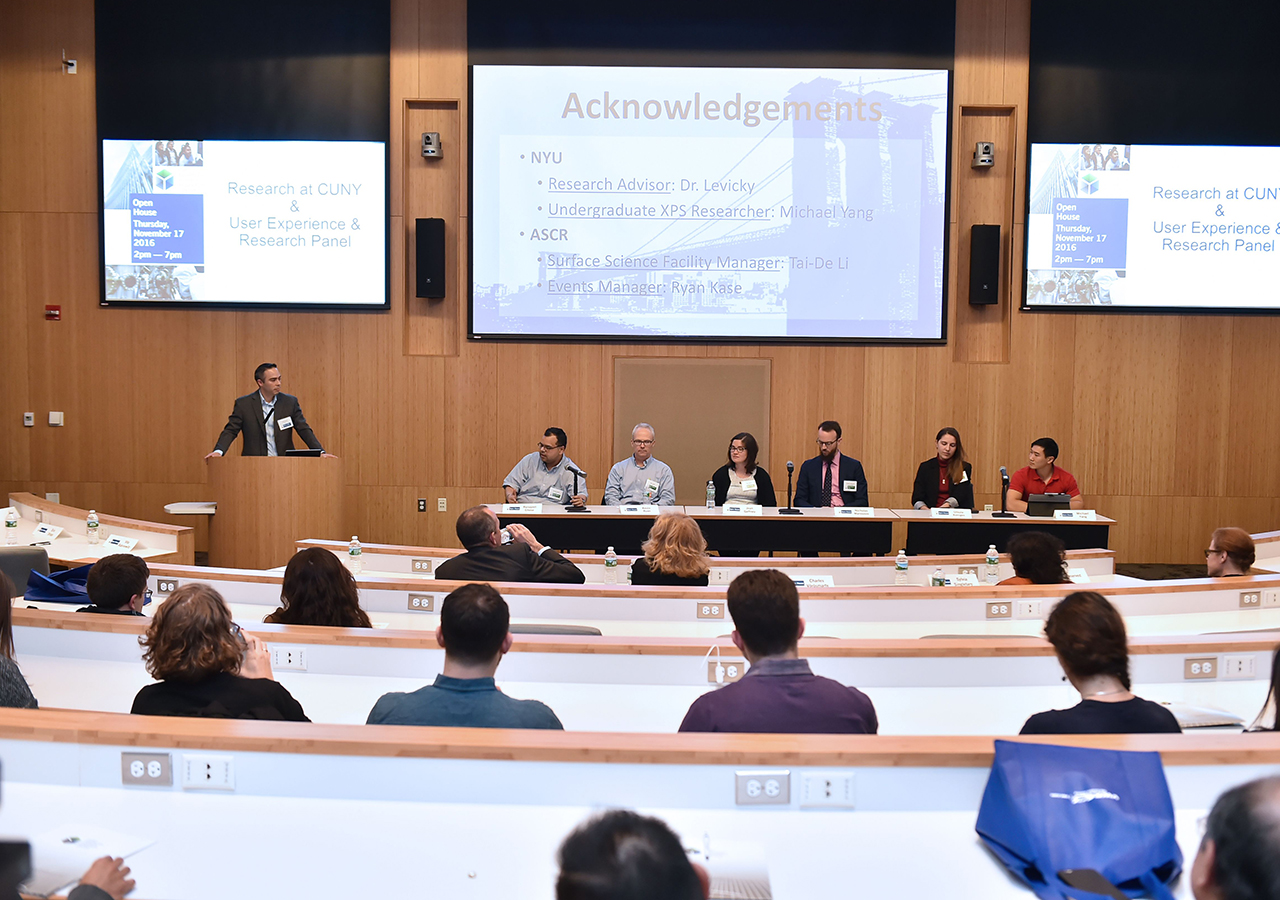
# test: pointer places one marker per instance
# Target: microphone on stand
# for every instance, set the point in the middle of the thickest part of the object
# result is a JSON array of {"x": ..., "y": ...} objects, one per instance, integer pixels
[
  {"x": 789, "y": 510},
  {"x": 1004, "y": 496},
  {"x": 569, "y": 507}
]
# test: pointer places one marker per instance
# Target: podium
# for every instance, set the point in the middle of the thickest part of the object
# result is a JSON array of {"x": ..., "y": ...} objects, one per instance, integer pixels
[{"x": 266, "y": 503}]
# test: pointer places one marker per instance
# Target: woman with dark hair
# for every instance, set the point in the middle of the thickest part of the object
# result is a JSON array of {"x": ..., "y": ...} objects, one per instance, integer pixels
[
  {"x": 14, "y": 690},
  {"x": 1038, "y": 558},
  {"x": 1089, "y": 638},
  {"x": 675, "y": 553},
  {"x": 205, "y": 666},
  {"x": 945, "y": 480},
  {"x": 319, "y": 590},
  {"x": 1267, "y": 719},
  {"x": 741, "y": 480}
]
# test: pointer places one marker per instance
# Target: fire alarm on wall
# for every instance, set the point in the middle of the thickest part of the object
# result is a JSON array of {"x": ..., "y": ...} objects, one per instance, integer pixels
[{"x": 53, "y": 313}]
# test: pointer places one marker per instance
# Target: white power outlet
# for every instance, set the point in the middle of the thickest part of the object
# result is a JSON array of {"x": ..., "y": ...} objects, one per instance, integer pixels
[
  {"x": 1244, "y": 666},
  {"x": 771, "y": 788},
  {"x": 286, "y": 657},
  {"x": 146, "y": 768},
  {"x": 831, "y": 790},
  {"x": 201, "y": 772},
  {"x": 442, "y": 504},
  {"x": 1028, "y": 609}
]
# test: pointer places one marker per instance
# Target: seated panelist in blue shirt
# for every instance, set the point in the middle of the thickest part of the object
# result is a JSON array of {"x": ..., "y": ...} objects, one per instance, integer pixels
[
  {"x": 546, "y": 475},
  {"x": 474, "y": 632},
  {"x": 640, "y": 478},
  {"x": 831, "y": 478}
]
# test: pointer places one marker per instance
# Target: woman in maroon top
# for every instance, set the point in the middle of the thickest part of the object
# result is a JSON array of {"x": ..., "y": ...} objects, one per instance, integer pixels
[{"x": 945, "y": 480}]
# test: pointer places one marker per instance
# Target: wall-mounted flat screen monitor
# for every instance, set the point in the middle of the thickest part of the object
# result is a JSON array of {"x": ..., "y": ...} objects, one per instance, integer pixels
[{"x": 751, "y": 204}]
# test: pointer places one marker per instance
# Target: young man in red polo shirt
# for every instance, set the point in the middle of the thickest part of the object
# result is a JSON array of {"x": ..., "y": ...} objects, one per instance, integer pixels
[{"x": 1042, "y": 477}]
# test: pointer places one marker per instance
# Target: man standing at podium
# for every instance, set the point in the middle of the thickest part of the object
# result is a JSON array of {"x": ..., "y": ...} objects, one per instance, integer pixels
[{"x": 268, "y": 417}]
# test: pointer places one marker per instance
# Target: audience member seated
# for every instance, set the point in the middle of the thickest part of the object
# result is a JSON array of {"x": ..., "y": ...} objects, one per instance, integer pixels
[
  {"x": 1089, "y": 637},
  {"x": 118, "y": 585},
  {"x": 318, "y": 589},
  {"x": 621, "y": 855},
  {"x": 1267, "y": 719},
  {"x": 474, "y": 633},
  {"x": 14, "y": 690},
  {"x": 675, "y": 553},
  {"x": 205, "y": 666},
  {"x": 488, "y": 559},
  {"x": 1230, "y": 553},
  {"x": 779, "y": 693},
  {"x": 1038, "y": 558},
  {"x": 1239, "y": 857},
  {"x": 107, "y": 877}
]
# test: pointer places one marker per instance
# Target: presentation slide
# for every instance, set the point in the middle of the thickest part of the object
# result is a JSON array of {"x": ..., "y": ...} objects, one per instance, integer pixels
[
  {"x": 276, "y": 223},
  {"x": 1152, "y": 226},
  {"x": 623, "y": 202}
]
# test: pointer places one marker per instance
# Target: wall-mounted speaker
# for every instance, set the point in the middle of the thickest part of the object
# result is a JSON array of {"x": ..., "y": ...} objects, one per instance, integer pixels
[
  {"x": 984, "y": 265},
  {"x": 429, "y": 254}
]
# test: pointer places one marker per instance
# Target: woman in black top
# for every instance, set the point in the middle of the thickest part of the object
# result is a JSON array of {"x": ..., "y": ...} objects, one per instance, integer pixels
[
  {"x": 1088, "y": 635},
  {"x": 14, "y": 690},
  {"x": 205, "y": 666},
  {"x": 675, "y": 553},
  {"x": 945, "y": 480},
  {"x": 319, "y": 590},
  {"x": 741, "y": 480}
]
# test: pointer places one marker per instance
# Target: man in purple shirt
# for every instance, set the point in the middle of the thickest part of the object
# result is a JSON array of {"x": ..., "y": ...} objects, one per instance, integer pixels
[{"x": 779, "y": 694}]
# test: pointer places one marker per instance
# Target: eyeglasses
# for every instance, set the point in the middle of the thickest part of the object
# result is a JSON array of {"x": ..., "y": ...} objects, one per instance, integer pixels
[
  {"x": 1212, "y": 550},
  {"x": 546, "y": 447},
  {"x": 737, "y": 449},
  {"x": 828, "y": 443},
  {"x": 642, "y": 443},
  {"x": 235, "y": 631}
]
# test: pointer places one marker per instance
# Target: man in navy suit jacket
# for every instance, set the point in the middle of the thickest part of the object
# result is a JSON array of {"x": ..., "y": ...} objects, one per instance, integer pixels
[
  {"x": 268, "y": 418},
  {"x": 847, "y": 478}
]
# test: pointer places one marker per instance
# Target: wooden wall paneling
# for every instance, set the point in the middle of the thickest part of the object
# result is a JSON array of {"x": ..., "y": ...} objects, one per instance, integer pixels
[
  {"x": 15, "y": 321},
  {"x": 434, "y": 327},
  {"x": 888, "y": 418},
  {"x": 810, "y": 385},
  {"x": 1254, "y": 416},
  {"x": 404, "y": 84},
  {"x": 1202, "y": 430}
]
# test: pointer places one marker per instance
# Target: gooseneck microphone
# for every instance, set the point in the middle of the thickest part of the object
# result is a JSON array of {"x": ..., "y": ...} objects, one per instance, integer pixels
[
  {"x": 1004, "y": 496},
  {"x": 789, "y": 510},
  {"x": 569, "y": 507}
]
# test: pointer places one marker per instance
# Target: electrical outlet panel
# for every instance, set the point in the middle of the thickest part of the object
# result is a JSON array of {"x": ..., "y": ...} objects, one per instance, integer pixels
[
  {"x": 1027, "y": 609},
  {"x": 734, "y": 669},
  {"x": 771, "y": 788},
  {"x": 719, "y": 576},
  {"x": 999, "y": 609},
  {"x": 826, "y": 790},
  {"x": 969, "y": 570},
  {"x": 422, "y": 504},
  {"x": 284, "y": 656},
  {"x": 1242, "y": 666},
  {"x": 1251, "y": 599},
  {"x": 208, "y": 772},
  {"x": 711, "y": 610},
  {"x": 422, "y": 603},
  {"x": 421, "y": 566},
  {"x": 442, "y": 504},
  {"x": 1270, "y": 598},
  {"x": 166, "y": 585},
  {"x": 150, "y": 769},
  {"x": 1200, "y": 667}
]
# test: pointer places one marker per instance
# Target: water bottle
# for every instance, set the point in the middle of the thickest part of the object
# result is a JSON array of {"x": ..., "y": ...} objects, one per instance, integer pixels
[
  {"x": 938, "y": 579},
  {"x": 610, "y": 567},
  {"x": 91, "y": 527},
  {"x": 993, "y": 565},
  {"x": 711, "y": 495},
  {"x": 900, "y": 568},
  {"x": 11, "y": 527},
  {"x": 355, "y": 556}
]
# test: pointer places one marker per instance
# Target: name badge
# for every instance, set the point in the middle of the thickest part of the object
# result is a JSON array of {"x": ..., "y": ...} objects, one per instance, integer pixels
[
  {"x": 46, "y": 532},
  {"x": 651, "y": 488},
  {"x": 815, "y": 581},
  {"x": 284, "y": 424},
  {"x": 743, "y": 509},
  {"x": 638, "y": 509},
  {"x": 748, "y": 485},
  {"x": 123, "y": 544},
  {"x": 556, "y": 495},
  {"x": 963, "y": 478},
  {"x": 854, "y": 512},
  {"x": 1080, "y": 515},
  {"x": 948, "y": 512},
  {"x": 1077, "y": 576},
  {"x": 522, "y": 508},
  {"x": 851, "y": 486}
]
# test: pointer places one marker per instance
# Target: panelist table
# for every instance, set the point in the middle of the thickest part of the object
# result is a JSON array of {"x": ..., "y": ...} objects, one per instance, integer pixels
[
  {"x": 812, "y": 530},
  {"x": 944, "y": 536}
]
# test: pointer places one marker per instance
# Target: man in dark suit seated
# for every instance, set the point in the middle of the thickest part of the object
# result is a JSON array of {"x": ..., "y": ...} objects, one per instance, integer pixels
[
  {"x": 779, "y": 694},
  {"x": 118, "y": 585},
  {"x": 475, "y": 634},
  {"x": 831, "y": 478},
  {"x": 268, "y": 417},
  {"x": 488, "y": 559}
]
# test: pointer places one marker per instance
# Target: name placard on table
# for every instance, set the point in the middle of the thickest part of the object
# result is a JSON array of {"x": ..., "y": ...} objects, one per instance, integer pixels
[
  {"x": 854, "y": 512},
  {"x": 963, "y": 579},
  {"x": 121, "y": 544},
  {"x": 522, "y": 508},
  {"x": 743, "y": 509},
  {"x": 1080, "y": 515},
  {"x": 948, "y": 512},
  {"x": 46, "y": 532},
  {"x": 639, "y": 509},
  {"x": 809, "y": 581}
]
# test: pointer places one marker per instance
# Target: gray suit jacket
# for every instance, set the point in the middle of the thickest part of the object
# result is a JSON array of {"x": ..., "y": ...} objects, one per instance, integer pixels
[{"x": 246, "y": 417}]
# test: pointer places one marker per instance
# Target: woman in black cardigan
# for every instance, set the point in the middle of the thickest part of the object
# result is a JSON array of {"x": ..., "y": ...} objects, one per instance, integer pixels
[
  {"x": 945, "y": 480},
  {"x": 751, "y": 482}
]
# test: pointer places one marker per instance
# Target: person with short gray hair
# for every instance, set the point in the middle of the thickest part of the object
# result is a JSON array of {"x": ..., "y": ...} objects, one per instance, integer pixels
[
  {"x": 640, "y": 478},
  {"x": 1239, "y": 858}
]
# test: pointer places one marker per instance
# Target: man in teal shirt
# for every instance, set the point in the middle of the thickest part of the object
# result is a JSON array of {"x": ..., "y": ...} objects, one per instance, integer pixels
[{"x": 473, "y": 631}]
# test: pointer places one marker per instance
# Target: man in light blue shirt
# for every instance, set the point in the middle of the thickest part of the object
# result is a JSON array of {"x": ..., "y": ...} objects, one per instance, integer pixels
[
  {"x": 546, "y": 476},
  {"x": 640, "y": 478}
]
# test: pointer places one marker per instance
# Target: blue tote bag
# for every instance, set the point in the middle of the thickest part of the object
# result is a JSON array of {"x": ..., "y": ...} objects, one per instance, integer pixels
[
  {"x": 70, "y": 586},
  {"x": 1049, "y": 808}
]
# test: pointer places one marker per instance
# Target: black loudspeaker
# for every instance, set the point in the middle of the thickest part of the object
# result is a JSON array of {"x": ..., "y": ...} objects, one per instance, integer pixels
[
  {"x": 430, "y": 258},
  {"x": 984, "y": 265}
]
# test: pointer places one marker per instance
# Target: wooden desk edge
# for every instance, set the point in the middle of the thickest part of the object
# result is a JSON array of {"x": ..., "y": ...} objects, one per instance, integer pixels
[{"x": 74, "y": 512}]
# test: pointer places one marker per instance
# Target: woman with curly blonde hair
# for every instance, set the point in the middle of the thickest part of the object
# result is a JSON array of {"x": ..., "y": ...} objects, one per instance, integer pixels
[{"x": 675, "y": 553}]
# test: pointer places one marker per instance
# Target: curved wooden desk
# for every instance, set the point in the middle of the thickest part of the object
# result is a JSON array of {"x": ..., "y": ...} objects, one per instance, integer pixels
[{"x": 157, "y": 542}]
